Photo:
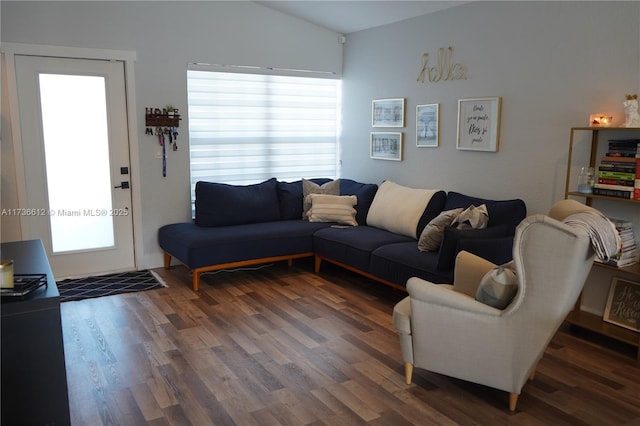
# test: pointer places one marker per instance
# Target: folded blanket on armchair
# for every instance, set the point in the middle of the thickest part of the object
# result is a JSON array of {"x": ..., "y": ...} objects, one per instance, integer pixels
[{"x": 604, "y": 236}]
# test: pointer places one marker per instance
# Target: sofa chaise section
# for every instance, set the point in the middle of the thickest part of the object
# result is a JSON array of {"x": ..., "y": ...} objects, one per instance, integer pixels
[{"x": 206, "y": 249}]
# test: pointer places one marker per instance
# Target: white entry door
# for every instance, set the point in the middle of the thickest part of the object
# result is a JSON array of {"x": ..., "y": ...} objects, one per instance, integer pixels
[{"x": 75, "y": 149}]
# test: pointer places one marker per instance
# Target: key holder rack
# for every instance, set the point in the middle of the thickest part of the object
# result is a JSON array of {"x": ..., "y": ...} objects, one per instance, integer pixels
[{"x": 163, "y": 123}]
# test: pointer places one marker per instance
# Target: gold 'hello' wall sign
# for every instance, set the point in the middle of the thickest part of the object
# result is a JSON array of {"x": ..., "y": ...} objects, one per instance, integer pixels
[{"x": 446, "y": 68}]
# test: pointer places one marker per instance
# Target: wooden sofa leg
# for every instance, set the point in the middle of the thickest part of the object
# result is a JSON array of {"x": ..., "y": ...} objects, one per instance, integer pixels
[
  {"x": 408, "y": 372},
  {"x": 167, "y": 261},
  {"x": 513, "y": 401},
  {"x": 196, "y": 280},
  {"x": 318, "y": 262}
]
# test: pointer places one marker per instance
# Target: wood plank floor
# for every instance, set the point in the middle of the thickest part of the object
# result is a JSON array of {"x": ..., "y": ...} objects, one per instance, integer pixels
[{"x": 284, "y": 346}]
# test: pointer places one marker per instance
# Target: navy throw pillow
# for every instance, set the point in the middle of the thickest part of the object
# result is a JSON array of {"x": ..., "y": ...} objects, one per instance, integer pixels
[
  {"x": 509, "y": 212},
  {"x": 220, "y": 204},
  {"x": 290, "y": 197},
  {"x": 364, "y": 192}
]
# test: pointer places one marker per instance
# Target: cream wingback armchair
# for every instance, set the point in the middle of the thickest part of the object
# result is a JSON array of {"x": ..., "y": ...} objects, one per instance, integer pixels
[{"x": 443, "y": 328}]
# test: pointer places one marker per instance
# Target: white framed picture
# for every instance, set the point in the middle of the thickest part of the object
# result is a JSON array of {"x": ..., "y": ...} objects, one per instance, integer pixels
[
  {"x": 387, "y": 112},
  {"x": 479, "y": 124},
  {"x": 427, "y": 125},
  {"x": 386, "y": 146}
]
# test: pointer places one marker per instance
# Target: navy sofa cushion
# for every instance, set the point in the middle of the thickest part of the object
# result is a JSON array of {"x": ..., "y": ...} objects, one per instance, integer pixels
[
  {"x": 197, "y": 246},
  {"x": 509, "y": 212},
  {"x": 365, "y": 193},
  {"x": 290, "y": 197},
  {"x": 450, "y": 243},
  {"x": 219, "y": 204},
  {"x": 399, "y": 262},
  {"x": 353, "y": 245}
]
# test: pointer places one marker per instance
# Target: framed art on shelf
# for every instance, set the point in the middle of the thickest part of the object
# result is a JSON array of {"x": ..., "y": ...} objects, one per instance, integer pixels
[
  {"x": 387, "y": 112},
  {"x": 479, "y": 124},
  {"x": 623, "y": 304},
  {"x": 386, "y": 146},
  {"x": 427, "y": 125}
]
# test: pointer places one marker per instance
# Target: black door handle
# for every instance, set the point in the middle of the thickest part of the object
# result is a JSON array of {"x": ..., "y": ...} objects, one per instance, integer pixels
[{"x": 123, "y": 185}]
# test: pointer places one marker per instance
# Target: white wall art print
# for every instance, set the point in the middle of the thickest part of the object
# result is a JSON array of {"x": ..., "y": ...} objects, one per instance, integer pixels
[{"x": 479, "y": 124}]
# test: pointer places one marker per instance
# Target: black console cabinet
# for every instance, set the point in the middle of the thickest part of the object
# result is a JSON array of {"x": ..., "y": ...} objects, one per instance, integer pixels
[{"x": 34, "y": 379}]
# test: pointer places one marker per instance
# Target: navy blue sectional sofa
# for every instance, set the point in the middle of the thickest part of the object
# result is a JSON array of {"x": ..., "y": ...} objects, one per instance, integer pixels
[{"x": 246, "y": 225}]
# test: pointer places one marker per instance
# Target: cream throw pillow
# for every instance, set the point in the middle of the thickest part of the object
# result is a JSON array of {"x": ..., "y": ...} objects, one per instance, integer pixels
[
  {"x": 398, "y": 209},
  {"x": 308, "y": 187},
  {"x": 332, "y": 208},
  {"x": 432, "y": 235}
]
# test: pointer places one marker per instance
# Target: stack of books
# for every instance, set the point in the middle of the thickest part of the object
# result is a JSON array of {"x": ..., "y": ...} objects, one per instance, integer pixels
[
  {"x": 628, "y": 253},
  {"x": 619, "y": 170}
]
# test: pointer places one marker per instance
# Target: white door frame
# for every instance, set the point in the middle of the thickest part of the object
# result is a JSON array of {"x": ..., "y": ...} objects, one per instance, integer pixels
[{"x": 10, "y": 50}]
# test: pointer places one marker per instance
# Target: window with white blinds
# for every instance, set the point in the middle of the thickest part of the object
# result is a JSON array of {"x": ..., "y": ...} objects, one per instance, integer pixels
[{"x": 245, "y": 128}]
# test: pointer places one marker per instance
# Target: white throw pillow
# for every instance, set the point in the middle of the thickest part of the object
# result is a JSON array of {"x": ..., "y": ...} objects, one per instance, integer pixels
[
  {"x": 398, "y": 209},
  {"x": 332, "y": 208},
  {"x": 499, "y": 286},
  {"x": 432, "y": 235}
]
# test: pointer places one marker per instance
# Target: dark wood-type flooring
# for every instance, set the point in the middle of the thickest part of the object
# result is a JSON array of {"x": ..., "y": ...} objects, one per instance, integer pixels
[{"x": 284, "y": 346}]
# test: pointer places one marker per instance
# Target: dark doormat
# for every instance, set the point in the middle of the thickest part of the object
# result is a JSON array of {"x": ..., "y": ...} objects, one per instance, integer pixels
[{"x": 108, "y": 285}]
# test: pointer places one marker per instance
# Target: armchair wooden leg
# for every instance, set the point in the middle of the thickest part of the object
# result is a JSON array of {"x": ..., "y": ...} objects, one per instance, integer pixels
[
  {"x": 513, "y": 401},
  {"x": 408, "y": 372},
  {"x": 167, "y": 260}
]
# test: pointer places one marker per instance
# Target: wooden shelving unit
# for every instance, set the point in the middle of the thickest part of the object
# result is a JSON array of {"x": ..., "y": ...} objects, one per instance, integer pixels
[{"x": 578, "y": 317}]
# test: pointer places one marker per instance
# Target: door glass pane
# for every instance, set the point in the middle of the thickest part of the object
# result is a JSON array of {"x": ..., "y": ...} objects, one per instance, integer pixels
[{"x": 74, "y": 122}]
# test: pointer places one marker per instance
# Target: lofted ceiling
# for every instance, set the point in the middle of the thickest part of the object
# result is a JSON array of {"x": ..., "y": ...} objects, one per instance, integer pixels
[{"x": 349, "y": 16}]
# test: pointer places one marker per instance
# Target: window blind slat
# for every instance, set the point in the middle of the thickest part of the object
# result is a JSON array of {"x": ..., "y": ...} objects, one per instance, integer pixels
[{"x": 246, "y": 128}]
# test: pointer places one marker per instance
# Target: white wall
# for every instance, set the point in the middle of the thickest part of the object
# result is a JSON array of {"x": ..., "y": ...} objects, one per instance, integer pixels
[
  {"x": 165, "y": 36},
  {"x": 553, "y": 64}
]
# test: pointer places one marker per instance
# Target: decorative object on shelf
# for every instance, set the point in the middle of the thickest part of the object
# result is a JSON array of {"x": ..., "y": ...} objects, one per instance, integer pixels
[
  {"x": 164, "y": 124},
  {"x": 632, "y": 117},
  {"x": 479, "y": 124},
  {"x": 387, "y": 112},
  {"x": 6, "y": 274},
  {"x": 586, "y": 180},
  {"x": 623, "y": 304},
  {"x": 600, "y": 120},
  {"x": 386, "y": 146},
  {"x": 24, "y": 284},
  {"x": 447, "y": 69},
  {"x": 427, "y": 125}
]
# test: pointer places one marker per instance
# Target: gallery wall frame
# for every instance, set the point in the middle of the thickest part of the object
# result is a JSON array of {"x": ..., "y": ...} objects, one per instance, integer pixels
[
  {"x": 386, "y": 146},
  {"x": 479, "y": 124},
  {"x": 623, "y": 304},
  {"x": 387, "y": 112},
  {"x": 428, "y": 125}
]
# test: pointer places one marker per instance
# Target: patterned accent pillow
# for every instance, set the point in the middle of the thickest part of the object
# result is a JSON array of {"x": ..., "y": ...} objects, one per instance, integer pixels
[
  {"x": 432, "y": 235},
  {"x": 308, "y": 187},
  {"x": 472, "y": 218},
  {"x": 499, "y": 286},
  {"x": 333, "y": 208}
]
